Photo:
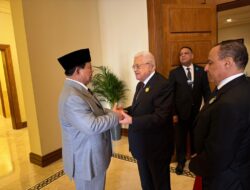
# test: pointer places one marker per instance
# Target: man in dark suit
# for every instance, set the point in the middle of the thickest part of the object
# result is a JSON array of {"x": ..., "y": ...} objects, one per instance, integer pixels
[
  {"x": 222, "y": 128},
  {"x": 190, "y": 85},
  {"x": 150, "y": 132}
]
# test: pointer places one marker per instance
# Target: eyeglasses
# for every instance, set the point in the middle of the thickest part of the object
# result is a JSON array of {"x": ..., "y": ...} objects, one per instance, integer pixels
[{"x": 138, "y": 66}]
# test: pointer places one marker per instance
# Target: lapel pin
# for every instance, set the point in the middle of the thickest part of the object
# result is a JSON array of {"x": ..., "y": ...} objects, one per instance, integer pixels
[
  {"x": 212, "y": 100},
  {"x": 147, "y": 89}
]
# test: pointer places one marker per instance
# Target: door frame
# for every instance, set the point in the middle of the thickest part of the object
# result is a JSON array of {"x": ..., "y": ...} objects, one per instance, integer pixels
[{"x": 11, "y": 88}]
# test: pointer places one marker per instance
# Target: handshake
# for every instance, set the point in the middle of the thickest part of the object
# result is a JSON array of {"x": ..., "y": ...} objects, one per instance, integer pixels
[{"x": 124, "y": 118}]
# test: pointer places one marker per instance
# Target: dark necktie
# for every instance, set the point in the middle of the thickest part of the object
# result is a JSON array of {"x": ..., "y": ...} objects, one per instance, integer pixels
[
  {"x": 189, "y": 76},
  {"x": 97, "y": 101},
  {"x": 214, "y": 93},
  {"x": 90, "y": 92},
  {"x": 139, "y": 88}
]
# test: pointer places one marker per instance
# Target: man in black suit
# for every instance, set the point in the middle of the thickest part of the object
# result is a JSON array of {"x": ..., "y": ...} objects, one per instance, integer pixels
[
  {"x": 190, "y": 85},
  {"x": 222, "y": 128},
  {"x": 150, "y": 131}
]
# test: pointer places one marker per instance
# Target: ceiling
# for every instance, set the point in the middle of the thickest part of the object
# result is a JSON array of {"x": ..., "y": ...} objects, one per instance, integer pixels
[{"x": 239, "y": 16}]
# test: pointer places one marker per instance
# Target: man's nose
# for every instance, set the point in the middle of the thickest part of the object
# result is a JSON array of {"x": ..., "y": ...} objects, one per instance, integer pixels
[{"x": 206, "y": 67}]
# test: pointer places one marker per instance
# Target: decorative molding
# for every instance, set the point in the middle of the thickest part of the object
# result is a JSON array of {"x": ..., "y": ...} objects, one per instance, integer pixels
[
  {"x": 202, "y": 25},
  {"x": 46, "y": 159},
  {"x": 198, "y": 46},
  {"x": 48, "y": 180},
  {"x": 232, "y": 5}
]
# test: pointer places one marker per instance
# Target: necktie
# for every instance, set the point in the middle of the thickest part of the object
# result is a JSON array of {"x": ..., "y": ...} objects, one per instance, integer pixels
[
  {"x": 214, "y": 93},
  {"x": 97, "y": 101},
  {"x": 189, "y": 76},
  {"x": 139, "y": 88},
  {"x": 90, "y": 92}
]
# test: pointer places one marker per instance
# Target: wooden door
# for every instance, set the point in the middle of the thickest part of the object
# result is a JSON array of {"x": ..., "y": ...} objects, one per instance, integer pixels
[{"x": 176, "y": 23}]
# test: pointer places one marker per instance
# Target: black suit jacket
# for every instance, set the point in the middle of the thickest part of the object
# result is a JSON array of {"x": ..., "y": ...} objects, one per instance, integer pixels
[
  {"x": 186, "y": 97},
  {"x": 151, "y": 134},
  {"x": 222, "y": 138}
]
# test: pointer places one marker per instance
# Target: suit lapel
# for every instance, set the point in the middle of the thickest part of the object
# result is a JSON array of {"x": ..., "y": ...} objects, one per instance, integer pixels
[
  {"x": 183, "y": 74},
  {"x": 93, "y": 97},
  {"x": 222, "y": 91},
  {"x": 144, "y": 90},
  {"x": 83, "y": 91},
  {"x": 140, "y": 96},
  {"x": 196, "y": 76}
]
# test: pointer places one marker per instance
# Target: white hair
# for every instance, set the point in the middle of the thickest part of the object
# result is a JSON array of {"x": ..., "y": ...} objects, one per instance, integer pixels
[{"x": 148, "y": 57}]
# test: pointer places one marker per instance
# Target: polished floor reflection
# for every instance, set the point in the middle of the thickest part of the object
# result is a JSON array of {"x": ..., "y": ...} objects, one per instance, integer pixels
[{"x": 17, "y": 173}]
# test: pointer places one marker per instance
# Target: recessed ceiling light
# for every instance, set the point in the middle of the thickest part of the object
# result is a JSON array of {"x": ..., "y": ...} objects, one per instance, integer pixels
[{"x": 229, "y": 20}]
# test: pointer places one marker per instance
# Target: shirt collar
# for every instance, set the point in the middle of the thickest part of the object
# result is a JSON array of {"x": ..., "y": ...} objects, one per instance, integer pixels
[
  {"x": 190, "y": 66},
  {"x": 149, "y": 77},
  {"x": 228, "y": 79},
  {"x": 78, "y": 83}
]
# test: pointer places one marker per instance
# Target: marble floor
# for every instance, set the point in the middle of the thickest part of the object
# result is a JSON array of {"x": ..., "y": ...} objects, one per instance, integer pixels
[{"x": 17, "y": 173}]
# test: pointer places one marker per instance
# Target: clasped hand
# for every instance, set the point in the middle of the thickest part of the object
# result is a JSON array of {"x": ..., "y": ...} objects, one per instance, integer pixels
[{"x": 124, "y": 118}]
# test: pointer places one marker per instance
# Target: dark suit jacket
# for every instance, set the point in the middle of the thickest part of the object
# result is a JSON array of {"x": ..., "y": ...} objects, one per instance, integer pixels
[
  {"x": 186, "y": 97},
  {"x": 151, "y": 132},
  {"x": 222, "y": 138}
]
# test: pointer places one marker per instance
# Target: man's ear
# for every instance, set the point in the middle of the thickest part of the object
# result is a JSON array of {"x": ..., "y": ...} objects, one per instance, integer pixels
[
  {"x": 77, "y": 70},
  {"x": 229, "y": 62}
]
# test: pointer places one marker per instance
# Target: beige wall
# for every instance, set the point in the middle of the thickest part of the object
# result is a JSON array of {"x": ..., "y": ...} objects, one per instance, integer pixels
[
  {"x": 60, "y": 27},
  {"x": 53, "y": 28},
  {"x": 124, "y": 32},
  {"x": 26, "y": 78},
  {"x": 237, "y": 32},
  {"x": 7, "y": 38},
  {"x": 2, "y": 76}
]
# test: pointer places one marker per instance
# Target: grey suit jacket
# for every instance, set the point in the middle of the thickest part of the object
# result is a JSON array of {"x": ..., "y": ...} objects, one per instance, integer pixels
[{"x": 85, "y": 132}]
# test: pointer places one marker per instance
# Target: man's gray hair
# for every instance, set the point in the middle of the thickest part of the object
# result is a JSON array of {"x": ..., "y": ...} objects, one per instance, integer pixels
[
  {"x": 148, "y": 56},
  {"x": 235, "y": 49}
]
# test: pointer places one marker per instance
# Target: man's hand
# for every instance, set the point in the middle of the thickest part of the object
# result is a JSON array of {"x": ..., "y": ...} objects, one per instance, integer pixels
[
  {"x": 118, "y": 110},
  {"x": 127, "y": 119},
  {"x": 175, "y": 119}
]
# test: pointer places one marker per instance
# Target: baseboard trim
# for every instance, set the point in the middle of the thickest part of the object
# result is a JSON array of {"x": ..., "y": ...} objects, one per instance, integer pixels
[
  {"x": 55, "y": 155},
  {"x": 124, "y": 132},
  {"x": 21, "y": 125},
  {"x": 46, "y": 159},
  {"x": 24, "y": 124}
]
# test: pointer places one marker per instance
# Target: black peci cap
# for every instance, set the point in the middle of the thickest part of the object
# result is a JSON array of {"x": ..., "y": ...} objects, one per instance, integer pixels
[{"x": 75, "y": 58}]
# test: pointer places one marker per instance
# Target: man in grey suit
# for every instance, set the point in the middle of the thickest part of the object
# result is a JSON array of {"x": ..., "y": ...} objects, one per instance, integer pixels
[{"x": 85, "y": 125}]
